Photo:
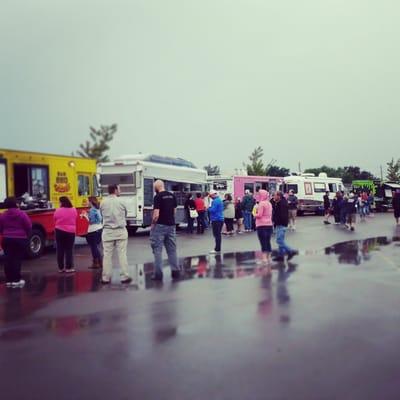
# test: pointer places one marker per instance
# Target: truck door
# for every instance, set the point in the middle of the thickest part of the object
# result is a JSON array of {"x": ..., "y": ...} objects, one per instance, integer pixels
[
  {"x": 3, "y": 180},
  {"x": 84, "y": 190}
]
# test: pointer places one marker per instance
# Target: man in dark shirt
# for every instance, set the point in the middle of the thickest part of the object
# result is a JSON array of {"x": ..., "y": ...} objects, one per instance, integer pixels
[
  {"x": 163, "y": 231},
  {"x": 281, "y": 221}
]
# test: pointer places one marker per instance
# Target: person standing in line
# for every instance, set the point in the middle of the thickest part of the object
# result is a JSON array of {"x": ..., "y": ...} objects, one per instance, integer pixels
[
  {"x": 351, "y": 211},
  {"x": 207, "y": 204},
  {"x": 65, "y": 228},
  {"x": 115, "y": 235},
  {"x": 281, "y": 221},
  {"x": 217, "y": 220},
  {"x": 343, "y": 209},
  {"x": 189, "y": 206},
  {"x": 247, "y": 206},
  {"x": 201, "y": 212},
  {"x": 163, "y": 231},
  {"x": 15, "y": 228},
  {"x": 95, "y": 230},
  {"x": 327, "y": 208},
  {"x": 396, "y": 206},
  {"x": 370, "y": 203},
  {"x": 292, "y": 203},
  {"x": 264, "y": 226},
  {"x": 229, "y": 214},
  {"x": 336, "y": 207},
  {"x": 239, "y": 216}
]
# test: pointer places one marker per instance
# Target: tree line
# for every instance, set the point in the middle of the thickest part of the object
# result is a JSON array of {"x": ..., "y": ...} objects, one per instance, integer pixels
[
  {"x": 99, "y": 141},
  {"x": 256, "y": 166}
]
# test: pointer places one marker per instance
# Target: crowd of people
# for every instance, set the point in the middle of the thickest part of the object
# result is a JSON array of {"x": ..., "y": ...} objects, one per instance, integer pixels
[
  {"x": 345, "y": 207},
  {"x": 107, "y": 230}
]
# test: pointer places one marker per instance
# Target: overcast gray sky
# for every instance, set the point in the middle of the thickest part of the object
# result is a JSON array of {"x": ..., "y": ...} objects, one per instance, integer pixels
[{"x": 315, "y": 81}]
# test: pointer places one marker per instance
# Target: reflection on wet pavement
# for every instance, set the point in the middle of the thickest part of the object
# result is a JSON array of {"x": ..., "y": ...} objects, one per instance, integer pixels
[
  {"x": 229, "y": 330},
  {"x": 43, "y": 289}
]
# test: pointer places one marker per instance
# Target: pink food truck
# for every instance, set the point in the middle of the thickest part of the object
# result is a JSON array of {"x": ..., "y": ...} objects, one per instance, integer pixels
[{"x": 236, "y": 185}]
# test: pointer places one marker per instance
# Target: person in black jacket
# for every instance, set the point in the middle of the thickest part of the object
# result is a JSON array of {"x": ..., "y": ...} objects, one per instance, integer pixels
[
  {"x": 396, "y": 205},
  {"x": 189, "y": 205},
  {"x": 281, "y": 221}
]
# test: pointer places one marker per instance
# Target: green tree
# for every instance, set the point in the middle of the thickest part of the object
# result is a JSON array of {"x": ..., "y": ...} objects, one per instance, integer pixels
[
  {"x": 331, "y": 172},
  {"x": 212, "y": 170},
  {"x": 98, "y": 144},
  {"x": 347, "y": 174},
  {"x": 274, "y": 170},
  {"x": 393, "y": 170},
  {"x": 256, "y": 166}
]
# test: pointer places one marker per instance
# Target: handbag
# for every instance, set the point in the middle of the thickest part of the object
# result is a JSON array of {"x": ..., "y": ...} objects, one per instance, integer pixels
[{"x": 193, "y": 213}]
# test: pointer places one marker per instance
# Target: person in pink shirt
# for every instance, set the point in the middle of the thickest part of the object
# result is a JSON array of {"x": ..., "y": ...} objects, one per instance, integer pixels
[
  {"x": 264, "y": 226},
  {"x": 65, "y": 227}
]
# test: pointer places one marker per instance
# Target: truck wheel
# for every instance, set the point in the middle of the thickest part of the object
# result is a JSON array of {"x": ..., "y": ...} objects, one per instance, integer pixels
[
  {"x": 36, "y": 244},
  {"x": 132, "y": 230}
]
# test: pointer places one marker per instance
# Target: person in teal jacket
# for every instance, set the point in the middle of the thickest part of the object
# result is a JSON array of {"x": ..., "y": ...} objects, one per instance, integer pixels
[{"x": 216, "y": 212}]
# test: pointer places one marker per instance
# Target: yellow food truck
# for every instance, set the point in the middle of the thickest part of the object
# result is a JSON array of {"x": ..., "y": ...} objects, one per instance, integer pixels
[{"x": 38, "y": 180}]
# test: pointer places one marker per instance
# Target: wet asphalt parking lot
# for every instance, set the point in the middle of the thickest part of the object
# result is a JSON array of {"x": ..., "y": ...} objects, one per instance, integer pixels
[{"x": 325, "y": 326}]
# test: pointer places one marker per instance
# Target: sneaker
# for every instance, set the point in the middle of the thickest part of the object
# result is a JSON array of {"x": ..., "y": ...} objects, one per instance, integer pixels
[
  {"x": 105, "y": 281},
  {"x": 327, "y": 223},
  {"x": 19, "y": 284},
  {"x": 214, "y": 252},
  {"x": 126, "y": 280},
  {"x": 176, "y": 275},
  {"x": 352, "y": 228},
  {"x": 70, "y": 270},
  {"x": 292, "y": 254},
  {"x": 8, "y": 284}
]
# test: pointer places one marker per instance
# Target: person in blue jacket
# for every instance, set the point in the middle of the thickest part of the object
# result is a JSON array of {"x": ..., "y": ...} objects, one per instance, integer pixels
[
  {"x": 216, "y": 212},
  {"x": 95, "y": 230}
]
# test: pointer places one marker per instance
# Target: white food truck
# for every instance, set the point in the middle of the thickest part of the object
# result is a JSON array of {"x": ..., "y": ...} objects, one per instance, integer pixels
[
  {"x": 135, "y": 175},
  {"x": 310, "y": 190}
]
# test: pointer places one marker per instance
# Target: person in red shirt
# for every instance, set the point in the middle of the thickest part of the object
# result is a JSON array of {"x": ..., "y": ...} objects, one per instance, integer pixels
[{"x": 201, "y": 211}]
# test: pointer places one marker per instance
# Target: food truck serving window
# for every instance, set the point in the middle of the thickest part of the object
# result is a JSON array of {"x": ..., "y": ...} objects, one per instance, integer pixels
[
  {"x": 32, "y": 179},
  {"x": 83, "y": 185},
  {"x": 116, "y": 179}
]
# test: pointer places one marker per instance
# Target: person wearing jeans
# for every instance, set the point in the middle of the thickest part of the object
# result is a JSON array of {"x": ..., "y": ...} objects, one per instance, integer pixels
[
  {"x": 114, "y": 235},
  {"x": 281, "y": 221},
  {"x": 65, "y": 228},
  {"x": 201, "y": 211},
  {"x": 163, "y": 231},
  {"x": 264, "y": 226},
  {"x": 15, "y": 227},
  {"x": 216, "y": 211},
  {"x": 248, "y": 203},
  {"x": 95, "y": 231}
]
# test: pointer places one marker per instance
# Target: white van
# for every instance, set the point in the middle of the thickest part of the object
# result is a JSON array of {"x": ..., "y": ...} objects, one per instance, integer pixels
[
  {"x": 310, "y": 190},
  {"x": 135, "y": 175}
]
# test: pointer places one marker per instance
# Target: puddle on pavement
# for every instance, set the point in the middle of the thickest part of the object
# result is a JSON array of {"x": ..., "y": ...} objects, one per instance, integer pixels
[
  {"x": 40, "y": 290},
  {"x": 358, "y": 251}
]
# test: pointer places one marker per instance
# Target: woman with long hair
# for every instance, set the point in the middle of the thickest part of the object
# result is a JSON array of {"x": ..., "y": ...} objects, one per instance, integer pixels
[
  {"x": 95, "y": 230},
  {"x": 229, "y": 214},
  {"x": 189, "y": 206},
  {"x": 65, "y": 229}
]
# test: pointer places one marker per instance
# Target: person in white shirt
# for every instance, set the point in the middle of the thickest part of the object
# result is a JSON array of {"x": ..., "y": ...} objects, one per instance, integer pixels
[{"x": 115, "y": 234}]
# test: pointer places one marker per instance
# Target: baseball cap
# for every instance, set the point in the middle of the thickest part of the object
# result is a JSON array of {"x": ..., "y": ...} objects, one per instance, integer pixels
[{"x": 213, "y": 193}]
